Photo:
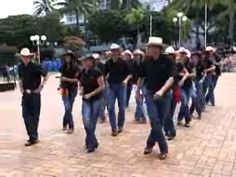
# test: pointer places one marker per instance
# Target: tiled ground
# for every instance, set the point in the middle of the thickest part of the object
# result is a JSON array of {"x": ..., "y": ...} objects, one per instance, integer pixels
[{"x": 207, "y": 149}]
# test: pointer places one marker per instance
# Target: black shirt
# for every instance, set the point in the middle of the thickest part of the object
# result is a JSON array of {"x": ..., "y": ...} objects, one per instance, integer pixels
[
  {"x": 135, "y": 71},
  {"x": 88, "y": 80},
  {"x": 156, "y": 72},
  {"x": 208, "y": 63},
  {"x": 117, "y": 71},
  {"x": 188, "y": 82},
  {"x": 218, "y": 69},
  {"x": 31, "y": 75},
  {"x": 200, "y": 67},
  {"x": 71, "y": 73},
  {"x": 101, "y": 67}
]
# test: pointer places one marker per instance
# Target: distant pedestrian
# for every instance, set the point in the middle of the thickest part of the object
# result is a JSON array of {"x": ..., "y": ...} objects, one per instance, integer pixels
[{"x": 30, "y": 75}]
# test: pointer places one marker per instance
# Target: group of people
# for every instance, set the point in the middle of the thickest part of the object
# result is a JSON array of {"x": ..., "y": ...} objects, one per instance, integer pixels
[{"x": 162, "y": 75}]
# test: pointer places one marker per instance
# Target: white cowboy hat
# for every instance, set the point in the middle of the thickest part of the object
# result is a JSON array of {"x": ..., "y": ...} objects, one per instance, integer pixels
[
  {"x": 184, "y": 50},
  {"x": 170, "y": 50},
  {"x": 26, "y": 52},
  {"x": 114, "y": 46},
  {"x": 156, "y": 41},
  {"x": 129, "y": 53},
  {"x": 210, "y": 49},
  {"x": 138, "y": 52},
  {"x": 96, "y": 56}
]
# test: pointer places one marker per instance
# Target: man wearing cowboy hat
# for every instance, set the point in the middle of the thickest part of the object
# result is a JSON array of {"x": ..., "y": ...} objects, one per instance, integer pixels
[
  {"x": 118, "y": 74},
  {"x": 214, "y": 75},
  {"x": 158, "y": 74},
  {"x": 30, "y": 75}
]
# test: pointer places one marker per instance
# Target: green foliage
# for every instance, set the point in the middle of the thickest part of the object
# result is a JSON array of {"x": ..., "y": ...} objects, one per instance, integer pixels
[{"x": 42, "y": 7}]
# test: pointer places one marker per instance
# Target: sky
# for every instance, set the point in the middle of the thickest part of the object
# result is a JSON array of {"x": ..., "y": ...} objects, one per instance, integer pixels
[{"x": 15, "y": 7}]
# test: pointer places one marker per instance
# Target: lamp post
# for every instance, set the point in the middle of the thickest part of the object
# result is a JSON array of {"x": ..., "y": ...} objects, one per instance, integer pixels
[
  {"x": 205, "y": 28},
  {"x": 180, "y": 19},
  {"x": 38, "y": 41}
]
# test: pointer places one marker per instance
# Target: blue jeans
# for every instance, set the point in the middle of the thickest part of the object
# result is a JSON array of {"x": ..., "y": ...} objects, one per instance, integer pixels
[
  {"x": 116, "y": 91},
  {"x": 102, "y": 114},
  {"x": 68, "y": 101},
  {"x": 169, "y": 126},
  {"x": 90, "y": 113},
  {"x": 210, "y": 97},
  {"x": 129, "y": 91},
  {"x": 198, "y": 99},
  {"x": 139, "y": 111},
  {"x": 184, "y": 109},
  {"x": 31, "y": 104},
  {"x": 157, "y": 111}
]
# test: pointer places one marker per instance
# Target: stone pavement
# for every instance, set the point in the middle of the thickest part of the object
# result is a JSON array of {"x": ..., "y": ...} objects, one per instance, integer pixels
[{"x": 207, "y": 149}]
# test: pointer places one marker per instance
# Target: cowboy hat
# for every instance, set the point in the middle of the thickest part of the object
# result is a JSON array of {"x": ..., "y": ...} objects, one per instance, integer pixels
[
  {"x": 129, "y": 53},
  {"x": 114, "y": 46},
  {"x": 69, "y": 52},
  {"x": 170, "y": 50},
  {"x": 96, "y": 56},
  {"x": 210, "y": 49},
  {"x": 88, "y": 56},
  {"x": 138, "y": 52},
  {"x": 156, "y": 41},
  {"x": 25, "y": 52}
]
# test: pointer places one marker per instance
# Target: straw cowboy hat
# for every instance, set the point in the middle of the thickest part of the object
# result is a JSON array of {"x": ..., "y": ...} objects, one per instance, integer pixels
[
  {"x": 96, "y": 56},
  {"x": 156, "y": 41},
  {"x": 170, "y": 50},
  {"x": 25, "y": 52},
  {"x": 210, "y": 49}
]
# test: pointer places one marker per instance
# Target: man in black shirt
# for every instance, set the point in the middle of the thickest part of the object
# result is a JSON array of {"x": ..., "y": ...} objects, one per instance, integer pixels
[
  {"x": 158, "y": 74},
  {"x": 118, "y": 74},
  {"x": 30, "y": 85}
]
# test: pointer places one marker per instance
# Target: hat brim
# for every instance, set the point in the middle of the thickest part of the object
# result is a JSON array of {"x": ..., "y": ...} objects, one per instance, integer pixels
[
  {"x": 71, "y": 54},
  {"x": 27, "y": 55},
  {"x": 162, "y": 45},
  {"x": 87, "y": 58}
]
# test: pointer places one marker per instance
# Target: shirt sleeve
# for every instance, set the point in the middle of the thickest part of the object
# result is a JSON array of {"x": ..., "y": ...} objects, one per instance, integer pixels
[
  {"x": 19, "y": 71},
  {"x": 141, "y": 70}
]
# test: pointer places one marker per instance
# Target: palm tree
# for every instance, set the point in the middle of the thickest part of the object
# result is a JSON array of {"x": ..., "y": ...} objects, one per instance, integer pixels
[
  {"x": 135, "y": 17},
  {"x": 42, "y": 7},
  {"x": 78, "y": 7}
]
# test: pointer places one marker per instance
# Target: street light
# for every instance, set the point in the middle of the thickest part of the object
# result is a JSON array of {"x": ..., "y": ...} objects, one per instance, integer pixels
[
  {"x": 38, "y": 40},
  {"x": 180, "y": 19}
]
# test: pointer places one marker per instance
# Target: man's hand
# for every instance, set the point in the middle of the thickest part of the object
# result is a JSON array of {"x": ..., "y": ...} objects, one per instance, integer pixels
[
  {"x": 125, "y": 82},
  {"x": 158, "y": 95},
  {"x": 87, "y": 96}
]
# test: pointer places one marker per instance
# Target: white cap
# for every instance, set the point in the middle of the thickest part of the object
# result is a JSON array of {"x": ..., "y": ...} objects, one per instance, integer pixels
[
  {"x": 170, "y": 50},
  {"x": 26, "y": 52},
  {"x": 210, "y": 49},
  {"x": 114, "y": 46}
]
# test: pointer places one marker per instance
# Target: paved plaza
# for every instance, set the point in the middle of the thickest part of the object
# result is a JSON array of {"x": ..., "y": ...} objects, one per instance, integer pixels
[{"x": 207, "y": 149}]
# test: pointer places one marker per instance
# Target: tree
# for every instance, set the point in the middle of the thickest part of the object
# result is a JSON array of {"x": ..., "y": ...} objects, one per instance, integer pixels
[
  {"x": 135, "y": 17},
  {"x": 42, "y": 7},
  {"x": 78, "y": 7}
]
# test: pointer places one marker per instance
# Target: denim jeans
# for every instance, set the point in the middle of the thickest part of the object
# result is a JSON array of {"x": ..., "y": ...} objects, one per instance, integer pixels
[
  {"x": 68, "y": 101},
  {"x": 129, "y": 91},
  {"x": 90, "y": 113},
  {"x": 184, "y": 109},
  {"x": 198, "y": 99},
  {"x": 157, "y": 111},
  {"x": 116, "y": 91},
  {"x": 31, "y": 105},
  {"x": 169, "y": 126},
  {"x": 210, "y": 96},
  {"x": 102, "y": 114},
  {"x": 139, "y": 111}
]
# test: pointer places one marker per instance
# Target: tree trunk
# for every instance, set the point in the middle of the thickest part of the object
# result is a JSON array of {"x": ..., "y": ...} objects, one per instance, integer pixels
[
  {"x": 231, "y": 22},
  {"x": 77, "y": 17}
]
